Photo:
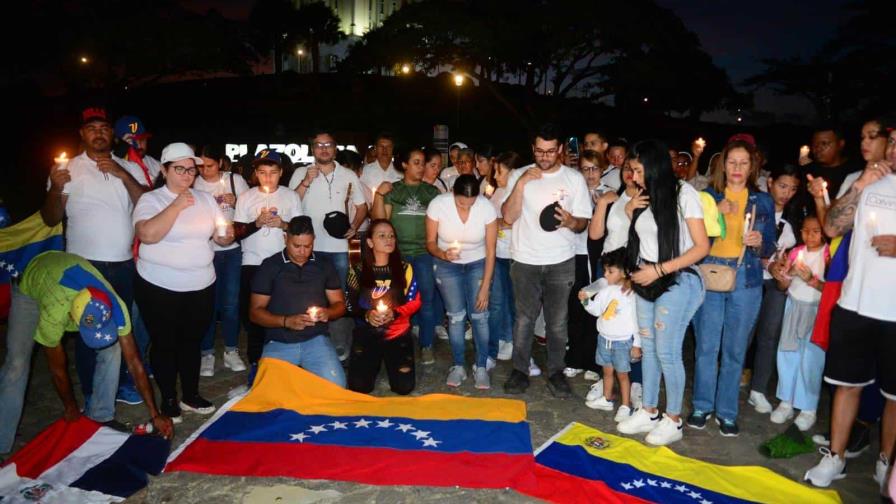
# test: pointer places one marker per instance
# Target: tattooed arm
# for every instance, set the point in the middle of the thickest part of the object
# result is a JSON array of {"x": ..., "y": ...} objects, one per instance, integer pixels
[{"x": 841, "y": 215}]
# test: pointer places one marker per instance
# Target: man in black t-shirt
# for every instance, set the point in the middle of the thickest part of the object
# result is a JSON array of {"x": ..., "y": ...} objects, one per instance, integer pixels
[
  {"x": 827, "y": 163},
  {"x": 293, "y": 297}
]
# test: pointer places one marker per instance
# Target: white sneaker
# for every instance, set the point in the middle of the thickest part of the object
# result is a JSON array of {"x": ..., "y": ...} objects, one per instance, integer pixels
[
  {"x": 571, "y": 372},
  {"x": 639, "y": 422},
  {"x": 666, "y": 432},
  {"x": 441, "y": 332},
  {"x": 207, "y": 365},
  {"x": 636, "y": 394},
  {"x": 468, "y": 334},
  {"x": 489, "y": 365},
  {"x": 829, "y": 469},
  {"x": 505, "y": 350},
  {"x": 534, "y": 370},
  {"x": 233, "y": 361},
  {"x": 597, "y": 390},
  {"x": 601, "y": 403},
  {"x": 483, "y": 382},
  {"x": 805, "y": 420},
  {"x": 880, "y": 472},
  {"x": 456, "y": 376},
  {"x": 782, "y": 413},
  {"x": 592, "y": 376},
  {"x": 758, "y": 401},
  {"x": 622, "y": 413}
]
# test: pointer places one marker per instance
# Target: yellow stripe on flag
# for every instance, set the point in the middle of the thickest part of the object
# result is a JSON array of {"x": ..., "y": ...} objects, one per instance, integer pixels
[
  {"x": 291, "y": 387},
  {"x": 751, "y": 483},
  {"x": 30, "y": 230}
]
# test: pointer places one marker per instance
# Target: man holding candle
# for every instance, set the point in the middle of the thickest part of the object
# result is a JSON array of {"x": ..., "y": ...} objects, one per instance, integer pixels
[
  {"x": 828, "y": 164},
  {"x": 294, "y": 295}
]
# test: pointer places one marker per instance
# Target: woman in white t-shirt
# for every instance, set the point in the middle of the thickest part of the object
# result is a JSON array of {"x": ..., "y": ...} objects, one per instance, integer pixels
[
  {"x": 260, "y": 220},
  {"x": 175, "y": 284},
  {"x": 668, "y": 237},
  {"x": 225, "y": 187},
  {"x": 501, "y": 311},
  {"x": 461, "y": 231}
]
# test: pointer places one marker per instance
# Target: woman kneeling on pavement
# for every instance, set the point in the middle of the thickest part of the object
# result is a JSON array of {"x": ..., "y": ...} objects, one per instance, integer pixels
[{"x": 382, "y": 296}]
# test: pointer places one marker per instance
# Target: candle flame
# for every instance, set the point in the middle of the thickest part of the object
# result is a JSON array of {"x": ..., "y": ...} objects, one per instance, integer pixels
[{"x": 381, "y": 307}]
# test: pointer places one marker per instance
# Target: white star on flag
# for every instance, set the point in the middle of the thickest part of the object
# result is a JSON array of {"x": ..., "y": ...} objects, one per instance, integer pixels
[
  {"x": 695, "y": 495},
  {"x": 651, "y": 482},
  {"x": 107, "y": 337},
  {"x": 300, "y": 437},
  {"x": 638, "y": 483},
  {"x": 317, "y": 429},
  {"x": 384, "y": 423},
  {"x": 681, "y": 488},
  {"x": 420, "y": 435},
  {"x": 431, "y": 442},
  {"x": 99, "y": 335},
  {"x": 404, "y": 427},
  {"x": 362, "y": 423},
  {"x": 339, "y": 425},
  {"x": 627, "y": 486},
  {"x": 704, "y": 501},
  {"x": 665, "y": 484}
]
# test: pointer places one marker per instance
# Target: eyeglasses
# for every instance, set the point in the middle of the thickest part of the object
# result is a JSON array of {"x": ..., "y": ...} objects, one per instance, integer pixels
[
  {"x": 546, "y": 153},
  {"x": 324, "y": 145},
  {"x": 180, "y": 170},
  {"x": 592, "y": 168}
]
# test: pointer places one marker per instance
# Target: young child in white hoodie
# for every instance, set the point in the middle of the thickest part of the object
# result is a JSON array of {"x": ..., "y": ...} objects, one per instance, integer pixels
[{"x": 617, "y": 326}]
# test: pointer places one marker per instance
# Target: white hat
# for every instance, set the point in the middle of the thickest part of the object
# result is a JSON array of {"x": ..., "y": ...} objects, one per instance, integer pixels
[
  {"x": 178, "y": 151},
  {"x": 459, "y": 145}
]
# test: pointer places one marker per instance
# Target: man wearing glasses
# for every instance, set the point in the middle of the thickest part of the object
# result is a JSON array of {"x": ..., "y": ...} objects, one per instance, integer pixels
[
  {"x": 548, "y": 206},
  {"x": 328, "y": 189}
]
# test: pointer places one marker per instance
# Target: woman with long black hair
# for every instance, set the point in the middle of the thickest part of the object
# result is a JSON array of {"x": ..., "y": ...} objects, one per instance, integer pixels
[
  {"x": 382, "y": 296},
  {"x": 667, "y": 238}
]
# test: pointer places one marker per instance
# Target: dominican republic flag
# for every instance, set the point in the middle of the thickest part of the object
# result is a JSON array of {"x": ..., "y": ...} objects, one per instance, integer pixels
[
  {"x": 660, "y": 475},
  {"x": 81, "y": 461},
  {"x": 19, "y": 244}
]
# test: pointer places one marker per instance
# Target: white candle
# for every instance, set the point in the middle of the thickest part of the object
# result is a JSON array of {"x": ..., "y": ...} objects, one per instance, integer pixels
[
  {"x": 804, "y": 151},
  {"x": 827, "y": 197},
  {"x": 747, "y": 223},
  {"x": 61, "y": 164},
  {"x": 489, "y": 190},
  {"x": 312, "y": 312},
  {"x": 221, "y": 227},
  {"x": 381, "y": 307},
  {"x": 701, "y": 142},
  {"x": 872, "y": 224},
  {"x": 800, "y": 257}
]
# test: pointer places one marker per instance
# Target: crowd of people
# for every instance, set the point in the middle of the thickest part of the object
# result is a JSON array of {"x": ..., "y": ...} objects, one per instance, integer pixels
[{"x": 608, "y": 257}]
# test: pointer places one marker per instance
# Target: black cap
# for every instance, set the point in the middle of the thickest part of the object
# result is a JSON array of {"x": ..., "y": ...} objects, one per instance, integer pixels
[
  {"x": 336, "y": 224},
  {"x": 548, "y": 219}
]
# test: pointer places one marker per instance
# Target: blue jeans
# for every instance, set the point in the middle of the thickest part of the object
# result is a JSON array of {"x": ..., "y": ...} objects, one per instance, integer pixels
[
  {"x": 431, "y": 303},
  {"x": 24, "y": 315},
  {"x": 459, "y": 284},
  {"x": 662, "y": 324},
  {"x": 316, "y": 355},
  {"x": 724, "y": 322},
  {"x": 341, "y": 328},
  {"x": 615, "y": 354},
  {"x": 227, "y": 301},
  {"x": 339, "y": 260},
  {"x": 501, "y": 311},
  {"x": 141, "y": 338},
  {"x": 121, "y": 276}
]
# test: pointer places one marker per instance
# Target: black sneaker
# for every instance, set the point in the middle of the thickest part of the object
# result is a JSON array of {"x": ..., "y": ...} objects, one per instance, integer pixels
[
  {"x": 698, "y": 419},
  {"x": 727, "y": 428},
  {"x": 859, "y": 440},
  {"x": 197, "y": 404},
  {"x": 517, "y": 383},
  {"x": 170, "y": 409},
  {"x": 558, "y": 386}
]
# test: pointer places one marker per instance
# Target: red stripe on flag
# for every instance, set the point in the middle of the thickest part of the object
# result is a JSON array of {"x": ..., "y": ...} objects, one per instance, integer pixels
[
  {"x": 52, "y": 445},
  {"x": 555, "y": 486},
  {"x": 378, "y": 466}
]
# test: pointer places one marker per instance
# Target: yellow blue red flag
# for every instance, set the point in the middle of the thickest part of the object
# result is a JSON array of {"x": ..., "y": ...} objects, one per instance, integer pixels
[{"x": 19, "y": 244}]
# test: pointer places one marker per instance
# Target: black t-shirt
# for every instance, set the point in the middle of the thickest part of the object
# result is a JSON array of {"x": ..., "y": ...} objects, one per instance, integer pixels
[
  {"x": 833, "y": 175},
  {"x": 293, "y": 289}
]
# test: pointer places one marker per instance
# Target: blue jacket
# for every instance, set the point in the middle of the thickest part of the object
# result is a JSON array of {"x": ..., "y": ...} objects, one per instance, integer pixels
[{"x": 764, "y": 222}]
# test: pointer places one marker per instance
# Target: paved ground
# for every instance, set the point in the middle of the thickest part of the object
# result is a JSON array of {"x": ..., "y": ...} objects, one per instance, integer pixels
[{"x": 546, "y": 416}]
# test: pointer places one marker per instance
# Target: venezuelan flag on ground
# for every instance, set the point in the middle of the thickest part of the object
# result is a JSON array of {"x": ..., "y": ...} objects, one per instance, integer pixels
[
  {"x": 293, "y": 423},
  {"x": 19, "y": 244},
  {"x": 660, "y": 475}
]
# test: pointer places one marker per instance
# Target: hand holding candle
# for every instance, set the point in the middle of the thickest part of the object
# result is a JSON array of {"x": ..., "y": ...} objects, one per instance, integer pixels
[
  {"x": 873, "y": 228},
  {"x": 825, "y": 195},
  {"x": 221, "y": 228},
  {"x": 804, "y": 158},
  {"x": 59, "y": 175},
  {"x": 313, "y": 313},
  {"x": 453, "y": 252}
]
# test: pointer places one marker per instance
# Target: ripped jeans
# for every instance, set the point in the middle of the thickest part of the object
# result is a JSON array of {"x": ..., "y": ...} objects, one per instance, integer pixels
[
  {"x": 661, "y": 325},
  {"x": 459, "y": 285}
]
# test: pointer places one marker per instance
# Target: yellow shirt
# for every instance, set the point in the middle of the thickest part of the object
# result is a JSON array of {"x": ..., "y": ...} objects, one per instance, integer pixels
[{"x": 731, "y": 246}]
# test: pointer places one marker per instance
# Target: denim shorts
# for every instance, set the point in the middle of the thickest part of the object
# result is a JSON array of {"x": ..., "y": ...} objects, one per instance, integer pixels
[{"x": 616, "y": 354}]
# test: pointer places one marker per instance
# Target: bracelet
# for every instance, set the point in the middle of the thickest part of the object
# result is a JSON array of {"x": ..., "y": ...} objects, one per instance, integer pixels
[
  {"x": 662, "y": 269},
  {"x": 284, "y": 321},
  {"x": 656, "y": 270}
]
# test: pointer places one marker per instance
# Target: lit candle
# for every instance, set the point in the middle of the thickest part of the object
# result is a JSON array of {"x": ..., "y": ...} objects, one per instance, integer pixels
[
  {"x": 312, "y": 312},
  {"x": 381, "y": 307},
  {"x": 800, "y": 257},
  {"x": 827, "y": 197},
  {"x": 221, "y": 227},
  {"x": 701, "y": 142},
  {"x": 804, "y": 151},
  {"x": 872, "y": 224},
  {"x": 747, "y": 223},
  {"x": 61, "y": 164},
  {"x": 455, "y": 245},
  {"x": 489, "y": 190}
]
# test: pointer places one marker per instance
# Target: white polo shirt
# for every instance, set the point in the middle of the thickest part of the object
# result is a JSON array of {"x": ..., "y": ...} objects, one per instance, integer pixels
[
  {"x": 372, "y": 175},
  {"x": 530, "y": 244},
  {"x": 871, "y": 277},
  {"x": 182, "y": 260},
  {"x": 266, "y": 241},
  {"x": 325, "y": 194},
  {"x": 99, "y": 211}
]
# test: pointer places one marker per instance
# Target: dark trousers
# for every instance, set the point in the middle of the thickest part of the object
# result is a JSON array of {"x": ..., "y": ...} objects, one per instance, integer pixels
[
  {"x": 120, "y": 276},
  {"x": 582, "y": 326},
  {"x": 767, "y": 334},
  {"x": 176, "y": 322},
  {"x": 369, "y": 349},
  {"x": 254, "y": 333}
]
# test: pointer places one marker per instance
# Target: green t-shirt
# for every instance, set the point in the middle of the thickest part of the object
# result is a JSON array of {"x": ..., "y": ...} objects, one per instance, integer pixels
[
  {"x": 409, "y": 214},
  {"x": 53, "y": 279}
]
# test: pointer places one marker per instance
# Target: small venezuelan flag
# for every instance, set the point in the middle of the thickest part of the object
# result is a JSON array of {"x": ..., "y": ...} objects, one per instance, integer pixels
[
  {"x": 660, "y": 475},
  {"x": 293, "y": 423}
]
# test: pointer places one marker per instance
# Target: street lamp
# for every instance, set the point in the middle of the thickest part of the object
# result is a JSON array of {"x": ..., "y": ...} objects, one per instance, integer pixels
[
  {"x": 299, "y": 54},
  {"x": 405, "y": 69},
  {"x": 458, "y": 80},
  {"x": 84, "y": 60},
  {"x": 458, "y": 83}
]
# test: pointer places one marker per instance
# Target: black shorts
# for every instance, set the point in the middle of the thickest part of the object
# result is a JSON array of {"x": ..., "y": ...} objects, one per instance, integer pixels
[{"x": 862, "y": 350}]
